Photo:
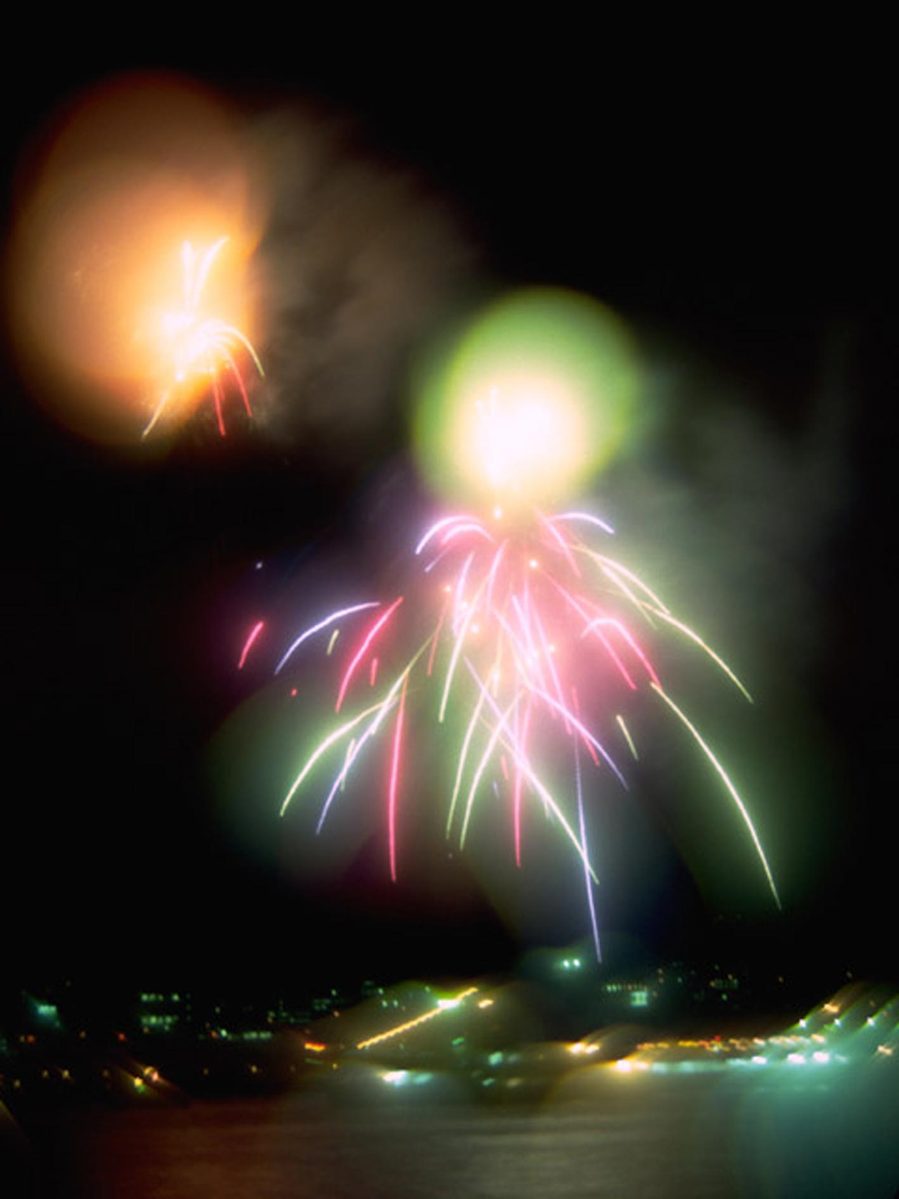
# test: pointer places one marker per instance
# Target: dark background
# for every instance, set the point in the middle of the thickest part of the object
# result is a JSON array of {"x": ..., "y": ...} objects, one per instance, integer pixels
[{"x": 738, "y": 214}]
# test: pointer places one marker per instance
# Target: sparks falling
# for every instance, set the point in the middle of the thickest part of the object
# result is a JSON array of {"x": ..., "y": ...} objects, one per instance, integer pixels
[
  {"x": 535, "y": 642},
  {"x": 200, "y": 351}
]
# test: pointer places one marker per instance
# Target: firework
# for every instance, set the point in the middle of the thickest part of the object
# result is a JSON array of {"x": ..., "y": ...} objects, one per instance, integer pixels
[
  {"x": 200, "y": 350},
  {"x": 533, "y": 648},
  {"x": 521, "y": 637},
  {"x": 249, "y": 643}
]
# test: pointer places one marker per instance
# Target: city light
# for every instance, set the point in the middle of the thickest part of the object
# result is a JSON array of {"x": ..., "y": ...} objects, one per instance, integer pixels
[{"x": 442, "y": 1006}]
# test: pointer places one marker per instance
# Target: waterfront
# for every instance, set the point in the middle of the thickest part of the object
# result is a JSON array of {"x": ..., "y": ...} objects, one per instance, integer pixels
[{"x": 765, "y": 1135}]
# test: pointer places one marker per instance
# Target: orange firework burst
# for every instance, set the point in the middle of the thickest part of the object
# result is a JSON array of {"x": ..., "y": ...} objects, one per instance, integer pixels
[{"x": 200, "y": 349}]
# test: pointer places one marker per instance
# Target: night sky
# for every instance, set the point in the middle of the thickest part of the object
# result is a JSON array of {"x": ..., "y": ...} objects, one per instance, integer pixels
[{"x": 744, "y": 230}]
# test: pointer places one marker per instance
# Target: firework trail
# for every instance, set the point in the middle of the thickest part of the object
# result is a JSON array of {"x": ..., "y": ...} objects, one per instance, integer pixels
[
  {"x": 200, "y": 350},
  {"x": 527, "y": 655},
  {"x": 249, "y": 643}
]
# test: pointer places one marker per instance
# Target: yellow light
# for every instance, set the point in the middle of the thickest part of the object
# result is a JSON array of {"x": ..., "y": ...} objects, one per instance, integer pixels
[
  {"x": 526, "y": 434},
  {"x": 443, "y": 1005}
]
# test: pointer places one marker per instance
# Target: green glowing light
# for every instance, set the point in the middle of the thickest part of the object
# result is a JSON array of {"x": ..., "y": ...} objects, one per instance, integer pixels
[{"x": 534, "y": 397}]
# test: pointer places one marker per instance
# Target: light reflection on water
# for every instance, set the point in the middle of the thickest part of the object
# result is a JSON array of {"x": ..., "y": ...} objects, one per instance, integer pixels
[{"x": 610, "y": 1136}]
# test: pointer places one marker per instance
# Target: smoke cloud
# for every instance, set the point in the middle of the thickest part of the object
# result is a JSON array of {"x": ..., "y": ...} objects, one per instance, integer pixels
[{"x": 359, "y": 263}]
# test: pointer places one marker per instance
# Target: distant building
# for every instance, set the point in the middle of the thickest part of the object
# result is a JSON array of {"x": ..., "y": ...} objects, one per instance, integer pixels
[{"x": 164, "y": 1013}]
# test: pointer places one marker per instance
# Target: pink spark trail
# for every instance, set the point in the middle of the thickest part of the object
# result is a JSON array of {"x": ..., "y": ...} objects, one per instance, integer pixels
[
  {"x": 250, "y": 642},
  {"x": 527, "y": 663}
]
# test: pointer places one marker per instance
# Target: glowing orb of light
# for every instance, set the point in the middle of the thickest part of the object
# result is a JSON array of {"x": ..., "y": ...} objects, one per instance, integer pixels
[
  {"x": 101, "y": 315},
  {"x": 533, "y": 398}
]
